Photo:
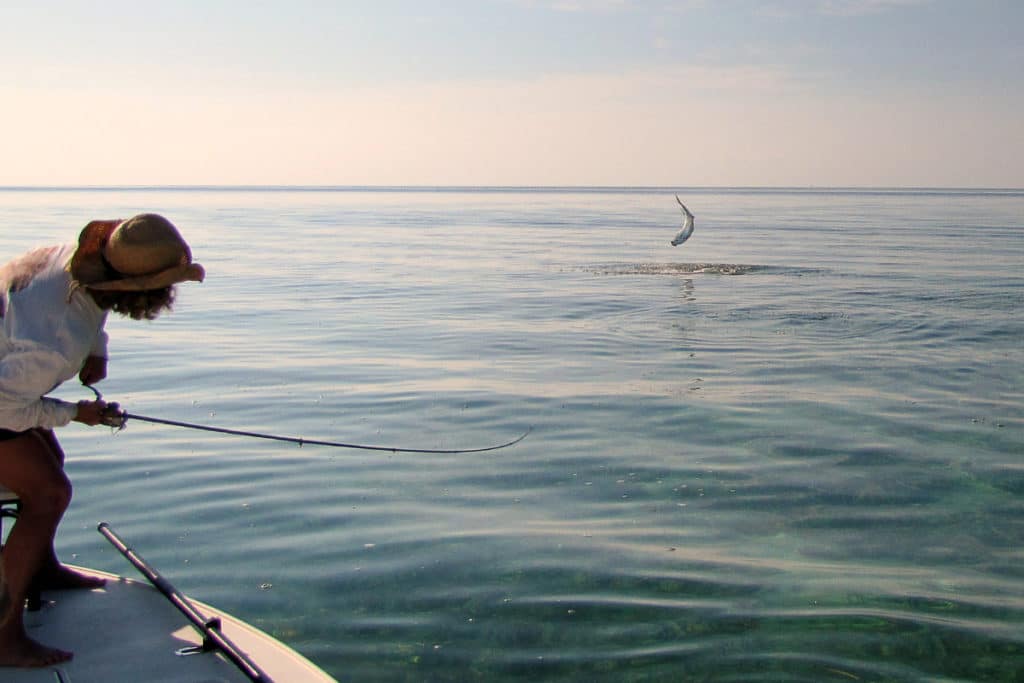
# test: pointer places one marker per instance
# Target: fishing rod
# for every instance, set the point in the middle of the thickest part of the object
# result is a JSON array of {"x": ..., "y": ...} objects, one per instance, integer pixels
[
  {"x": 117, "y": 418},
  {"x": 214, "y": 638}
]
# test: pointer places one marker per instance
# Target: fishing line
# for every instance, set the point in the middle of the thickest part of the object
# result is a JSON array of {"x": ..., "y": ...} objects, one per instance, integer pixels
[{"x": 118, "y": 419}]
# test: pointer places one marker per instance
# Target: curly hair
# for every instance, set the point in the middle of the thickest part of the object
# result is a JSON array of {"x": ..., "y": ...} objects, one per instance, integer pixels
[{"x": 145, "y": 305}]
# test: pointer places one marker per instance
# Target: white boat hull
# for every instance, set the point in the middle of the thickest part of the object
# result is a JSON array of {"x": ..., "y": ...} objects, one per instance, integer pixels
[{"x": 128, "y": 631}]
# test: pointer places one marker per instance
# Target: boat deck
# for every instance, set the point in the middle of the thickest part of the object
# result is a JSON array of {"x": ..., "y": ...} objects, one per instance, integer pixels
[{"x": 128, "y": 631}]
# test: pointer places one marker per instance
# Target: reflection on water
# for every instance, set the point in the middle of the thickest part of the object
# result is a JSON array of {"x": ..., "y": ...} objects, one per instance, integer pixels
[
  {"x": 689, "y": 269},
  {"x": 810, "y": 472}
]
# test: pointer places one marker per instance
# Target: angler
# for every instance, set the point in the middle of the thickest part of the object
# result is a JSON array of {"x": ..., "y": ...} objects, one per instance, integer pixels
[{"x": 54, "y": 303}]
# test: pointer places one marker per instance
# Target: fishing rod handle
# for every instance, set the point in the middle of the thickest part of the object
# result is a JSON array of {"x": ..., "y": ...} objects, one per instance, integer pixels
[{"x": 113, "y": 416}]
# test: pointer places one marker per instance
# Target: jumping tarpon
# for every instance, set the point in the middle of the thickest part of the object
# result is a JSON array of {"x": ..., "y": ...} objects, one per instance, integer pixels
[{"x": 687, "y": 230}]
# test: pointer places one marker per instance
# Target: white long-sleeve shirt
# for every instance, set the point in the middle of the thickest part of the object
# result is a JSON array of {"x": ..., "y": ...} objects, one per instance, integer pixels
[{"x": 46, "y": 333}]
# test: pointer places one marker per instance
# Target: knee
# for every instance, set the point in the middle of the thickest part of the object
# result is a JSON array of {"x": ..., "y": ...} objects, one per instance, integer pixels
[{"x": 49, "y": 499}]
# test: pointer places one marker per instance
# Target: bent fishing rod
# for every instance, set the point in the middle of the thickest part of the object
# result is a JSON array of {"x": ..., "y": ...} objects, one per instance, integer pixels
[{"x": 117, "y": 418}]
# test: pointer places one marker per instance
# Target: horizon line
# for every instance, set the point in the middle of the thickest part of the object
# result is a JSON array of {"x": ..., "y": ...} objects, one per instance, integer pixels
[{"x": 507, "y": 188}]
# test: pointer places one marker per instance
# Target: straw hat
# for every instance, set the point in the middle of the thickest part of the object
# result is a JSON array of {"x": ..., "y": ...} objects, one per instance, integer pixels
[{"x": 147, "y": 251}]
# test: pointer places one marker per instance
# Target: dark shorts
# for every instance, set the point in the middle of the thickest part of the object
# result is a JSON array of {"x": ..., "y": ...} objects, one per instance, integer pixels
[{"x": 7, "y": 434}]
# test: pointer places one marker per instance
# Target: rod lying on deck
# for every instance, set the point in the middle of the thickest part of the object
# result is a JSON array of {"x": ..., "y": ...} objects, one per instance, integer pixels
[{"x": 213, "y": 639}]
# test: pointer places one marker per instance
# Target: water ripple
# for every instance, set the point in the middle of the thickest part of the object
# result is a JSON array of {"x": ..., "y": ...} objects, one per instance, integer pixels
[{"x": 792, "y": 455}]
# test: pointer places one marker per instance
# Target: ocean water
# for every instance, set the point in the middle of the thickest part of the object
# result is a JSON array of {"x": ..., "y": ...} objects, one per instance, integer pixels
[{"x": 791, "y": 449}]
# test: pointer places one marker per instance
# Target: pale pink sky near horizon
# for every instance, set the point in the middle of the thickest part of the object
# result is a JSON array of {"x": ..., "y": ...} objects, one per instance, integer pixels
[{"x": 515, "y": 92}]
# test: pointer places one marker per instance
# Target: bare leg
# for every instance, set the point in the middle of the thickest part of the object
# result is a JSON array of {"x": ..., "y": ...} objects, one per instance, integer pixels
[
  {"x": 30, "y": 468},
  {"x": 52, "y": 574}
]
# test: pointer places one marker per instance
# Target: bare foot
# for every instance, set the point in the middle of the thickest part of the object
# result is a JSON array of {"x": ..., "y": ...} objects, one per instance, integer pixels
[
  {"x": 21, "y": 651},
  {"x": 64, "y": 578}
]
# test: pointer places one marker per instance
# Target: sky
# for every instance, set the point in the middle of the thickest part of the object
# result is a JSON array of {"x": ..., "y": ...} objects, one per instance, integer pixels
[{"x": 681, "y": 93}]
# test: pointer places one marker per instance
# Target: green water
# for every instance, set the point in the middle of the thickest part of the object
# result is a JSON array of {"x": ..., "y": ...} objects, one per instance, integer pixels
[{"x": 789, "y": 450}]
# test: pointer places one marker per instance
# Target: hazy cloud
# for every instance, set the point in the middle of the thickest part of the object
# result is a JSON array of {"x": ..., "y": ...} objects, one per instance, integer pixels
[
  {"x": 849, "y": 8},
  {"x": 577, "y": 5}
]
